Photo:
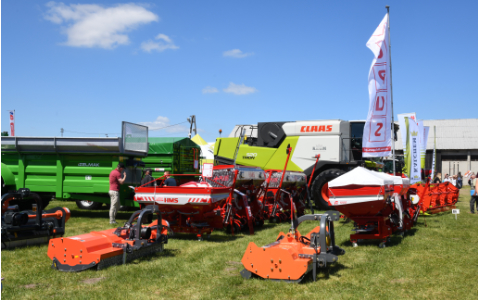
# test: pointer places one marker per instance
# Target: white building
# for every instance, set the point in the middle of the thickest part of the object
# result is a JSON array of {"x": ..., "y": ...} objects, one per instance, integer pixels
[{"x": 456, "y": 144}]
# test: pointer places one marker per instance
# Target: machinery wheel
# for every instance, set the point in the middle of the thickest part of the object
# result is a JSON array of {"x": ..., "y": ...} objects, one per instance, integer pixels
[
  {"x": 237, "y": 229},
  {"x": 89, "y": 205},
  {"x": 320, "y": 186}
]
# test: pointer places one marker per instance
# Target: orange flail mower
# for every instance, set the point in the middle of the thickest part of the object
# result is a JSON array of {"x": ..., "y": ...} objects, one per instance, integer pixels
[
  {"x": 100, "y": 249},
  {"x": 293, "y": 255}
]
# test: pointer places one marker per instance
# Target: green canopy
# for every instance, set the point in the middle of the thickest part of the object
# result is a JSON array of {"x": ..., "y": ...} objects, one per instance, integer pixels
[{"x": 166, "y": 145}]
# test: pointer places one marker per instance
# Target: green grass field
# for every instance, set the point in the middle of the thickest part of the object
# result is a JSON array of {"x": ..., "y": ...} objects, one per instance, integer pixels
[{"x": 439, "y": 261}]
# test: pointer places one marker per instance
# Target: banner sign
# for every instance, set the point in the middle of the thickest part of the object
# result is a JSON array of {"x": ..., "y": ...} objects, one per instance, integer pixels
[
  {"x": 11, "y": 113},
  {"x": 434, "y": 151},
  {"x": 423, "y": 130},
  {"x": 413, "y": 150},
  {"x": 377, "y": 137}
]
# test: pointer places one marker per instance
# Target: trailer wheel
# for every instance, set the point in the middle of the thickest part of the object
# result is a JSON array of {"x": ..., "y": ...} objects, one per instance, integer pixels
[
  {"x": 89, "y": 205},
  {"x": 320, "y": 186}
]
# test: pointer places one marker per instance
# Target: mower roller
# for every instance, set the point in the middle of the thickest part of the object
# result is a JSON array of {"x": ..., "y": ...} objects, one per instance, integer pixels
[
  {"x": 31, "y": 227},
  {"x": 101, "y": 249},
  {"x": 293, "y": 255}
]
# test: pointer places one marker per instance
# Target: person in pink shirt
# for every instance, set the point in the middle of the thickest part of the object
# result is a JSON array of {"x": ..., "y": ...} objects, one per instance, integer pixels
[{"x": 115, "y": 181}]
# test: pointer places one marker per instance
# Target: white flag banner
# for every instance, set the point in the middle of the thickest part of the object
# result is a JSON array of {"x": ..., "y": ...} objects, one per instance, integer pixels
[
  {"x": 414, "y": 148},
  {"x": 423, "y": 132},
  {"x": 11, "y": 114},
  {"x": 377, "y": 137},
  {"x": 403, "y": 127}
]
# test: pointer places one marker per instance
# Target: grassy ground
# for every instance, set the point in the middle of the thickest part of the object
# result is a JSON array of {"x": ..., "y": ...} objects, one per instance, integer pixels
[{"x": 439, "y": 261}]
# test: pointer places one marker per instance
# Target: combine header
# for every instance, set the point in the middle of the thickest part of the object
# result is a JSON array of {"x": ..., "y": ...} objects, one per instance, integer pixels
[
  {"x": 293, "y": 255},
  {"x": 32, "y": 227},
  {"x": 100, "y": 249},
  {"x": 436, "y": 198}
]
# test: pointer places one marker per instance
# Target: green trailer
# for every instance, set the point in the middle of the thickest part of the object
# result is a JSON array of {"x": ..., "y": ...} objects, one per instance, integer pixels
[
  {"x": 74, "y": 168},
  {"x": 178, "y": 155}
]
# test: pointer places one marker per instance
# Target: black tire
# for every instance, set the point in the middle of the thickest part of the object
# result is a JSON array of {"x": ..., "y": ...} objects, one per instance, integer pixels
[
  {"x": 319, "y": 182},
  {"x": 88, "y": 205}
]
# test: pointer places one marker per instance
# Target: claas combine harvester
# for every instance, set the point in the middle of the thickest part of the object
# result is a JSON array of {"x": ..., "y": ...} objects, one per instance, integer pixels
[
  {"x": 30, "y": 227},
  {"x": 100, "y": 249}
]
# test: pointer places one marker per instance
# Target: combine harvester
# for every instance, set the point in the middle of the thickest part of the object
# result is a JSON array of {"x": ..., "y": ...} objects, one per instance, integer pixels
[
  {"x": 293, "y": 255},
  {"x": 32, "y": 227},
  {"x": 100, "y": 249},
  {"x": 378, "y": 203}
]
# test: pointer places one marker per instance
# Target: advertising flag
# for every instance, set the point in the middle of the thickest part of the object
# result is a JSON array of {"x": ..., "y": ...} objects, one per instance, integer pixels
[
  {"x": 377, "y": 137},
  {"x": 11, "y": 113},
  {"x": 423, "y": 130},
  {"x": 434, "y": 151},
  {"x": 413, "y": 151}
]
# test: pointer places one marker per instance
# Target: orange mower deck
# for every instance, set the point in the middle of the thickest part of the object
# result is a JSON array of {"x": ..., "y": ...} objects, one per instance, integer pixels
[
  {"x": 292, "y": 256},
  {"x": 100, "y": 249}
]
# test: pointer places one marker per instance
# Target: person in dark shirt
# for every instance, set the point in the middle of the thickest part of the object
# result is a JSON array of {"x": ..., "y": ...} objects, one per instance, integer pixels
[
  {"x": 437, "y": 178},
  {"x": 169, "y": 181},
  {"x": 148, "y": 180}
]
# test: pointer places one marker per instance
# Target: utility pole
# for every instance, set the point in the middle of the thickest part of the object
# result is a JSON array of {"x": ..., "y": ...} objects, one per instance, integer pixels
[
  {"x": 192, "y": 121},
  {"x": 62, "y": 132}
]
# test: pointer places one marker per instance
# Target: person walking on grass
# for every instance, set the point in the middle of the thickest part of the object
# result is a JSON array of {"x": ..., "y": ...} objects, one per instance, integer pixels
[
  {"x": 474, "y": 195},
  {"x": 115, "y": 181}
]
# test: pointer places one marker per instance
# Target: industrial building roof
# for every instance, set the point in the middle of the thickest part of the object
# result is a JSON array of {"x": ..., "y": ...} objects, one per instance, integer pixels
[{"x": 451, "y": 134}]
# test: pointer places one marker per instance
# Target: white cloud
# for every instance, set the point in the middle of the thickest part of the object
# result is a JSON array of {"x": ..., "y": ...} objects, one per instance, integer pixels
[
  {"x": 164, "y": 42},
  {"x": 163, "y": 123},
  {"x": 236, "y": 53},
  {"x": 209, "y": 90},
  {"x": 91, "y": 25},
  {"x": 239, "y": 89}
]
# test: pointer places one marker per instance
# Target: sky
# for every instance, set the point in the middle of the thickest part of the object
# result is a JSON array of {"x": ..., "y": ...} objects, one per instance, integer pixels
[{"x": 86, "y": 66}]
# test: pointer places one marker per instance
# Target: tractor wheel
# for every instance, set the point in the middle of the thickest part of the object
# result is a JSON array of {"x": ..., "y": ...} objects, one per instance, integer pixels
[
  {"x": 320, "y": 186},
  {"x": 89, "y": 205}
]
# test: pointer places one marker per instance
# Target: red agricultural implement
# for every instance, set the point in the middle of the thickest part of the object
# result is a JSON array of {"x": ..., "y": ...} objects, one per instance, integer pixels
[
  {"x": 100, "y": 249},
  {"x": 280, "y": 188},
  {"x": 31, "y": 227},
  {"x": 293, "y": 255},
  {"x": 435, "y": 198},
  {"x": 217, "y": 202},
  {"x": 378, "y": 204}
]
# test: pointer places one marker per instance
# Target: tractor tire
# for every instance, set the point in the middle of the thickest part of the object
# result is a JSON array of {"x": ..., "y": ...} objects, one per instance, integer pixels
[
  {"x": 88, "y": 205},
  {"x": 320, "y": 186}
]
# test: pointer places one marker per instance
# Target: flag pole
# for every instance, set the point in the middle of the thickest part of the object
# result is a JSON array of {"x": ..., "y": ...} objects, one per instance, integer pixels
[{"x": 391, "y": 88}]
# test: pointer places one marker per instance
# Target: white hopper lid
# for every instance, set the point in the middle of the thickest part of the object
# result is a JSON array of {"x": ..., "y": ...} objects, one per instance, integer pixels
[
  {"x": 359, "y": 176},
  {"x": 396, "y": 179}
]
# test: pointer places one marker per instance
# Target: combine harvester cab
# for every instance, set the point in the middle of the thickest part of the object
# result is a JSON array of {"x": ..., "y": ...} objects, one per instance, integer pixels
[
  {"x": 293, "y": 255},
  {"x": 217, "y": 202},
  {"x": 31, "y": 227},
  {"x": 100, "y": 249},
  {"x": 372, "y": 200}
]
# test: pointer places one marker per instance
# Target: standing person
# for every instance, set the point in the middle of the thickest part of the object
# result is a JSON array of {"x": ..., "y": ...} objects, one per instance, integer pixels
[
  {"x": 115, "y": 181},
  {"x": 437, "y": 178},
  {"x": 474, "y": 196},
  {"x": 148, "y": 180},
  {"x": 447, "y": 178},
  {"x": 169, "y": 181},
  {"x": 459, "y": 181}
]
